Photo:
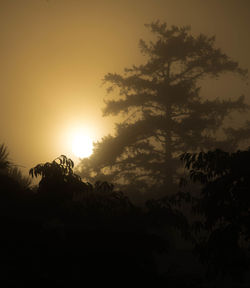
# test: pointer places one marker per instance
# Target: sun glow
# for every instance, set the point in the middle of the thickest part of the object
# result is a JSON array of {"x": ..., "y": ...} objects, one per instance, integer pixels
[{"x": 82, "y": 145}]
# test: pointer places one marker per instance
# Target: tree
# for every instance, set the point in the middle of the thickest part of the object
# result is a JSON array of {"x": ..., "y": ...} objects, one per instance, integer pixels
[
  {"x": 4, "y": 158},
  {"x": 58, "y": 180},
  {"x": 100, "y": 226},
  {"x": 11, "y": 170},
  {"x": 224, "y": 207},
  {"x": 165, "y": 114}
]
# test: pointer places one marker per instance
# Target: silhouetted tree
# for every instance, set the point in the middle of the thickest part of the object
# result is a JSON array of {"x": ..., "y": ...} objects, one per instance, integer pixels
[
  {"x": 90, "y": 232},
  {"x": 223, "y": 233},
  {"x": 165, "y": 114},
  {"x": 4, "y": 158},
  {"x": 10, "y": 169},
  {"x": 24, "y": 181},
  {"x": 57, "y": 177}
]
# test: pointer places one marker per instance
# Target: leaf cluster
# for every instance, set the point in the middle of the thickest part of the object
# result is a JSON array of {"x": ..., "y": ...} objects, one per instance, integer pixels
[{"x": 61, "y": 166}]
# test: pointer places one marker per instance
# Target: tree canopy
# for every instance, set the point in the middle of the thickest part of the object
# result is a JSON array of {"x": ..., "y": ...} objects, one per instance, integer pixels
[
  {"x": 223, "y": 231},
  {"x": 68, "y": 231},
  {"x": 165, "y": 114}
]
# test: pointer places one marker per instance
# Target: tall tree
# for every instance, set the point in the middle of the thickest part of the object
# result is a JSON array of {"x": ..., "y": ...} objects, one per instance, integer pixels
[{"x": 165, "y": 114}]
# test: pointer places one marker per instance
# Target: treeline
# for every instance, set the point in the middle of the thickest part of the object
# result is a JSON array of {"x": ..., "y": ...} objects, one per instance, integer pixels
[{"x": 66, "y": 232}]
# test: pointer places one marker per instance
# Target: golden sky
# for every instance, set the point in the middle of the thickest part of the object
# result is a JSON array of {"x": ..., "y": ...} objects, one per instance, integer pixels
[{"x": 54, "y": 55}]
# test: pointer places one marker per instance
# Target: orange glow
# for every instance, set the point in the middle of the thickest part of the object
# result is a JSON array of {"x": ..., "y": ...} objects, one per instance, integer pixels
[{"x": 54, "y": 55}]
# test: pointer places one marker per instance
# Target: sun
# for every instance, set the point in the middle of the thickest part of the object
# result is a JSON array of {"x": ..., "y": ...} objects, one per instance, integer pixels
[{"x": 82, "y": 145}]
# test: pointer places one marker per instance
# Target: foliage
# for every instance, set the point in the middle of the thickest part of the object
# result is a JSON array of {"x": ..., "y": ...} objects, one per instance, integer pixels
[
  {"x": 165, "y": 114},
  {"x": 4, "y": 157},
  {"x": 11, "y": 170},
  {"x": 93, "y": 232},
  {"x": 15, "y": 173},
  {"x": 54, "y": 169},
  {"x": 60, "y": 182},
  {"x": 224, "y": 205},
  {"x": 71, "y": 232}
]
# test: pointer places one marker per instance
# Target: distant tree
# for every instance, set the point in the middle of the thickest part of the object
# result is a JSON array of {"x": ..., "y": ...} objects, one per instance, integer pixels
[
  {"x": 4, "y": 158},
  {"x": 165, "y": 112},
  {"x": 16, "y": 174},
  {"x": 223, "y": 232},
  {"x": 11, "y": 170}
]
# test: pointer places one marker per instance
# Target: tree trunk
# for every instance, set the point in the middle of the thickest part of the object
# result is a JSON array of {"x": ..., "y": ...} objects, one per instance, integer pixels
[{"x": 169, "y": 171}]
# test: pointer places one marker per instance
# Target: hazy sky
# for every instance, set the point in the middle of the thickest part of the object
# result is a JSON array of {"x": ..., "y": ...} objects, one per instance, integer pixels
[{"x": 54, "y": 54}]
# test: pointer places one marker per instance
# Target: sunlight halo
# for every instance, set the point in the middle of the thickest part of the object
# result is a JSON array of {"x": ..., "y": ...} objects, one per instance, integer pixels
[{"x": 82, "y": 145}]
